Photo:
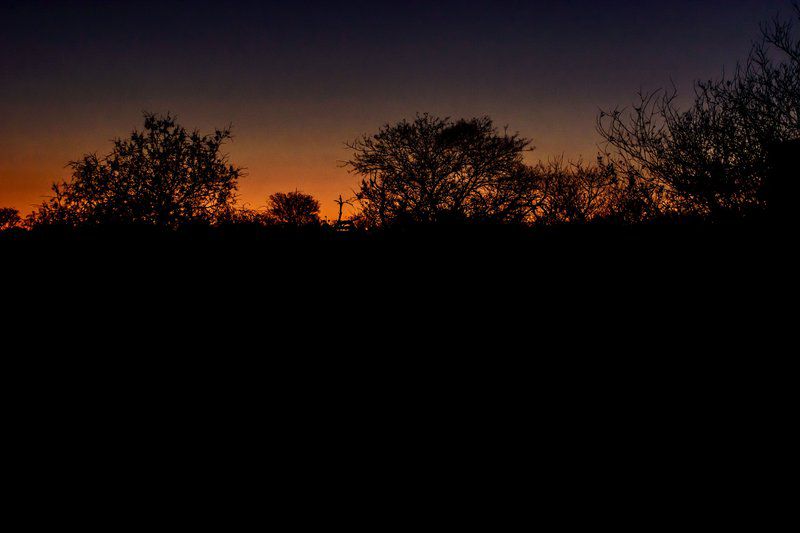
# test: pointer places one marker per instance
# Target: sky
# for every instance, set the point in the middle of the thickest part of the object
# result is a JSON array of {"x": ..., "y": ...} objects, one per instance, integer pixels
[{"x": 297, "y": 79}]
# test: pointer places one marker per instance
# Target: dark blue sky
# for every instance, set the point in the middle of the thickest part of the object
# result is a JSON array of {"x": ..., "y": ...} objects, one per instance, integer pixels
[{"x": 297, "y": 79}]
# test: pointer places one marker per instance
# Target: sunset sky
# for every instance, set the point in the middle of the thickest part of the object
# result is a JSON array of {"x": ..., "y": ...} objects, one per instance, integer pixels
[{"x": 299, "y": 78}]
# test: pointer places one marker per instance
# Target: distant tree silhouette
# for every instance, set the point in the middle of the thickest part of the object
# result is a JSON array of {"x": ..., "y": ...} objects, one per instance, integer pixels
[
  {"x": 9, "y": 218},
  {"x": 712, "y": 159},
  {"x": 436, "y": 169},
  {"x": 293, "y": 209},
  {"x": 163, "y": 175},
  {"x": 341, "y": 202}
]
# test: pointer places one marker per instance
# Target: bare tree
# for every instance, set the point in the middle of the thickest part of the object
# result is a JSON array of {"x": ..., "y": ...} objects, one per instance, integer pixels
[
  {"x": 435, "y": 169},
  {"x": 341, "y": 202},
  {"x": 766, "y": 89},
  {"x": 293, "y": 209},
  {"x": 163, "y": 175},
  {"x": 699, "y": 157},
  {"x": 712, "y": 158}
]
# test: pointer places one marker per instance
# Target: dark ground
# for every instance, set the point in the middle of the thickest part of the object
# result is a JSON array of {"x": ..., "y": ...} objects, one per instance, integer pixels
[
  {"x": 408, "y": 278},
  {"x": 584, "y": 376}
]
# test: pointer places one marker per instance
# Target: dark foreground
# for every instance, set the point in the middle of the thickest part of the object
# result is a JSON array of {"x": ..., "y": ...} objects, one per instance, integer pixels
[
  {"x": 412, "y": 276},
  {"x": 589, "y": 304},
  {"x": 584, "y": 375}
]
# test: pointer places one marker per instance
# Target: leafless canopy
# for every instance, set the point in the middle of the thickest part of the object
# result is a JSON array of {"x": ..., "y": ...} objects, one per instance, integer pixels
[{"x": 712, "y": 158}]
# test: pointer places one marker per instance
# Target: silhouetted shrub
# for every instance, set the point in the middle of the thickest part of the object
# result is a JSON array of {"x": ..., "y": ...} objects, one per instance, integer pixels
[
  {"x": 9, "y": 218},
  {"x": 295, "y": 209}
]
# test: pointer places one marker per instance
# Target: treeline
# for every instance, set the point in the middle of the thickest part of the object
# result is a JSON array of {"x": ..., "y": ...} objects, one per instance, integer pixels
[{"x": 714, "y": 161}]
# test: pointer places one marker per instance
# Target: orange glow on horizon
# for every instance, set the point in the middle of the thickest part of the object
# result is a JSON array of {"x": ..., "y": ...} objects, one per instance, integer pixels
[
  {"x": 25, "y": 189},
  {"x": 26, "y": 178}
]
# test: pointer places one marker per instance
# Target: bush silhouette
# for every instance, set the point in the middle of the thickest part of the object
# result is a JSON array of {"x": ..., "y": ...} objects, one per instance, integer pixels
[
  {"x": 9, "y": 218},
  {"x": 293, "y": 209},
  {"x": 162, "y": 176}
]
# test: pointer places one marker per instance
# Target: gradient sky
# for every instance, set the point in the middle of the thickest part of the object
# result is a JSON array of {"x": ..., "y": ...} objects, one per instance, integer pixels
[{"x": 299, "y": 78}]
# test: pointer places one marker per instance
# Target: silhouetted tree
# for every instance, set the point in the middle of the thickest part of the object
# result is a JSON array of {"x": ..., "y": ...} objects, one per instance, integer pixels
[
  {"x": 341, "y": 202},
  {"x": 435, "y": 169},
  {"x": 163, "y": 175},
  {"x": 712, "y": 158},
  {"x": 9, "y": 218},
  {"x": 293, "y": 209},
  {"x": 698, "y": 157}
]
